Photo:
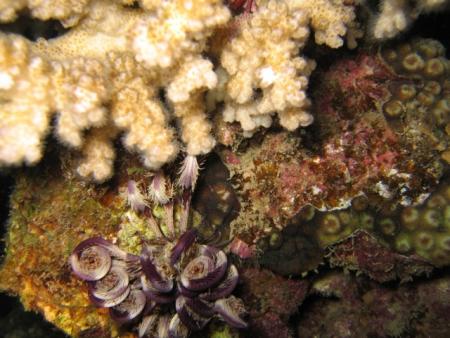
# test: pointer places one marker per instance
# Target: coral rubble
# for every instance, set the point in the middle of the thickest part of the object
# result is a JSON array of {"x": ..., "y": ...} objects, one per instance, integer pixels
[
  {"x": 271, "y": 300},
  {"x": 350, "y": 306}
]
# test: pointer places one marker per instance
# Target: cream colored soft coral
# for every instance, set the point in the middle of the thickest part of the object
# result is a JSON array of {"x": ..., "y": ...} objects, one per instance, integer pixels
[
  {"x": 179, "y": 27},
  {"x": 98, "y": 153},
  {"x": 185, "y": 93},
  {"x": 99, "y": 79},
  {"x": 137, "y": 110},
  {"x": 264, "y": 73},
  {"x": 68, "y": 11},
  {"x": 396, "y": 15},
  {"x": 24, "y": 97},
  {"x": 79, "y": 93},
  {"x": 330, "y": 19}
]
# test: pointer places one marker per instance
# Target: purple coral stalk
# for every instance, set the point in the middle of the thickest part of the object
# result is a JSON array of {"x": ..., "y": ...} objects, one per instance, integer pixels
[
  {"x": 189, "y": 173},
  {"x": 135, "y": 198},
  {"x": 161, "y": 192}
]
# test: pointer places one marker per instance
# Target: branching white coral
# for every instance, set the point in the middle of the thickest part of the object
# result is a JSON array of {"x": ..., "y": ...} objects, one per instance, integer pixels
[
  {"x": 105, "y": 75},
  {"x": 330, "y": 19},
  {"x": 131, "y": 70},
  {"x": 68, "y": 11},
  {"x": 263, "y": 72},
  {"x": 99, "y": 154},
  {"x": 178, "y": 28},
  {"x": 396, "y": 15},
  {"x": 24, "y": 96}
]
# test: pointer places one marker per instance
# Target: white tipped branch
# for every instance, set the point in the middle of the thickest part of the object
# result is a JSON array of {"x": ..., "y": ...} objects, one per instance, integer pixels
[
  {"x": 189, "y": 173},
  {"x": 135, "y": 199}
]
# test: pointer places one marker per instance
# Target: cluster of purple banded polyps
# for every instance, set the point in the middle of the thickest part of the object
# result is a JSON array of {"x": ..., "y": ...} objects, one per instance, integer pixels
[{"x": 175, "y": 285}]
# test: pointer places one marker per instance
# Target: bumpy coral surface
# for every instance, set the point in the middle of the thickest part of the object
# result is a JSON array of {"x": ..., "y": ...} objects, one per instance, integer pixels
[
  {"x": 358, "y": 146},
  {"x": 48, "y": 219},
  {"x": 272, "y": 300},
  {"x": 105, "y": 74},
  {"x": 261, "y": 71},
  {"x": 348, "y": 306},
  {"x": 362, "y": 252},
  {"x": 134, "y": 67}
]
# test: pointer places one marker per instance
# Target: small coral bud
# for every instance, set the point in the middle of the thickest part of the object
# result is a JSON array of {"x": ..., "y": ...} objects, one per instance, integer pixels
[
  {"x": 413, "y": 62},
  {"x": 345, "y": 217},
  {"x": 424, "y": 241},
  {"x": 404, "y": 49},
  {"x": 426, "y": 98},
  {"x": 330, "y": 224},
  {"x": 387, "y": 226},
  {"x": 434, "y": 68},
  {"x": 135, "y": 198},
  {"x": 360, "y": 203},
  {"x": 443, "y": 241},
  {"x": 393, "y": 108},
  {"x": 433, "y": 87},
  {"x": 410, "y": 218},
  {"x": 189, "y": 173},
  {"x": 406, "y": 92},
  {"x": 431, "y": 218},
  {"x": 403, "y": 243},
  {"x": 444, "y": 105},
  {"x": 440, "y": 116},
  {"x": 366, "y": 220},
  {"x": 307, "y": 213},
  {"x": 275, "y": 240},
  {"x": 436, "y": 201},
  {"x": 430, "y": 48},
  {"x": 390, "y": 55}
]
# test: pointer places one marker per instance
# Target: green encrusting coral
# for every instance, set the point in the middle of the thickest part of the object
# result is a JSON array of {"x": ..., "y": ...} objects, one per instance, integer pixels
[{"x": 51, "y": 212}]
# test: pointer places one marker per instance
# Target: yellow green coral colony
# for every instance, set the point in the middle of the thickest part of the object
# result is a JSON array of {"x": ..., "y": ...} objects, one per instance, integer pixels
[{"x": 423, "y": 230}]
